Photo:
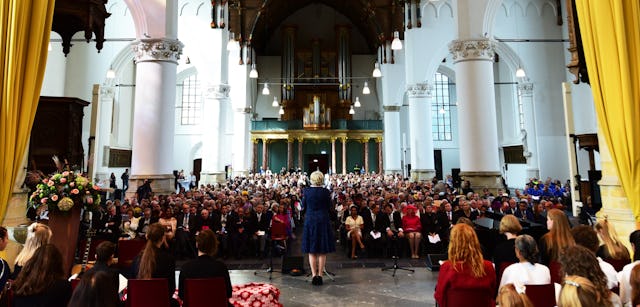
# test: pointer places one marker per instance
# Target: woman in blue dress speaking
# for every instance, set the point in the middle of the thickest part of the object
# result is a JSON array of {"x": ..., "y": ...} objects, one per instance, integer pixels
[{"x": 317, "y": 237}]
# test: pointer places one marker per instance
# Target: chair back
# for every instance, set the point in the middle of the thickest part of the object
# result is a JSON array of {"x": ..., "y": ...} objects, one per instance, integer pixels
[
  {"x": 469, "y": 297},
  {"x": 148, "y": 292},
  {"x": 501, "y": 268},
  {"x": 128, "y": 250},
  {"x": 542, "y": 295},
  {"x": 278, "y": 231},
  {"x": 617, "y": 264},
  {"x": 74, "y": 284},
  {"x": 208, "y": 292},
  {"x": 555, "y": 268}
]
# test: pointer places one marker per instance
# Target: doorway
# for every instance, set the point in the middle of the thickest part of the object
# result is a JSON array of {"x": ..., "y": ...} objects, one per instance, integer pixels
[
  {"x": 197, "y": 167},
  {"x": 317, "y": 162}
]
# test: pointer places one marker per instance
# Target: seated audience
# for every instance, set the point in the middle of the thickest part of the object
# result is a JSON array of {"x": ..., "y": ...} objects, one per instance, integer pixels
[
  {"x": 465, "y": 267},
  {"x": 527, "y": 271},
  {"x": 558, "y": 237},
  {"x": 37, "y": 235},
  {"x": 634, "y": 281},
  {"x": 412, "y": 229},
  {"x": 586, "y": 236},
  {"x": 104, "y": 259},
  {"x": 612, "y": 249},
  {"x": 205, "y": 266},
  {"x": 510, "y": 295},
  {"x": 354, "y": 224},
  {"x": 624, "y": 276},
  {"x": 579, "y": 261},
  {"x": 505, "y": 252},
  {"x": 155, "y": 261},
  {"x": 5, "y": 272},
  {"x": 42, "y": 281},
  {"x": 95, "y": 290},
  {"x": 578, "y": 291}
]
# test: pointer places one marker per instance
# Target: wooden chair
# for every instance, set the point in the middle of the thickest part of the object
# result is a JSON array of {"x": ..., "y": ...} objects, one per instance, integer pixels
[
  {"x": 209, "y": 292},
  {"x": 555, "y": 268},
  {"x": 468, "y": 297},
  {"x": 148, "y": 293},
  {"x": 542, "y": 295},
  {"x": 127, "y": 251}
]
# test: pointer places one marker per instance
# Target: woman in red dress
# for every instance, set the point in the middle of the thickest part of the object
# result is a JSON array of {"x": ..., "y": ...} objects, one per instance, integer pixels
[
  {"x": 412, "y": 228},
  {"x": 466, "y": 269}
]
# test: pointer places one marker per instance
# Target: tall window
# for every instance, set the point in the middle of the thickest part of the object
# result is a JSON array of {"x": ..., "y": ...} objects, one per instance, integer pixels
[
  {"x": 441, "y": 109},
  {"x": 191, "y": 101}
]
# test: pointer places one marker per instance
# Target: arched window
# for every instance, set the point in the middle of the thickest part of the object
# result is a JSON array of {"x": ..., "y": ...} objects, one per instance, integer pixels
[
  {"x": 441, "y": 109},
  {"x": 191, "y": 101}
]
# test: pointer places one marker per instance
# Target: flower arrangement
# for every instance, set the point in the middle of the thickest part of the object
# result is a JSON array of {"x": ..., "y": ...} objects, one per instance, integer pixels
[{"x": 61, "y": 191}]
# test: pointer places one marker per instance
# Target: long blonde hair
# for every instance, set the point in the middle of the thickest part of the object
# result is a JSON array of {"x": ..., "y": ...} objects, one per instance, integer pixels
[
  {"x": 155, "y": 234},
  {"x": 464, "y": 247},
  {"x": 508, "y": 296},
  {"x": 608, "y": 235},
  {"x": 37, "y": 235},
  {"x": 559, "y": 235},
  {"x": 578, "y": 291}
]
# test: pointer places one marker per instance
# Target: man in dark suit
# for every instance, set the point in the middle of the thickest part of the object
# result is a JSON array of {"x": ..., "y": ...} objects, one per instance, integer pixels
[
  {"x": 523, "y": 211},
  {"x": 185, "y": 234},
  {"x": 260, "y": 220},
  {"x": 392, "y": 223},
  {"x": 237, "y": 226},
  {"x": 146, "y": 220},
  {"x": 205, "y": 266},
  {"x": 373, "y": 232}
]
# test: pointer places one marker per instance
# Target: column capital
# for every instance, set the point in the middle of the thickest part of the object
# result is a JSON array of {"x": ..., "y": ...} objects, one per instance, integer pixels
[
  {"x": 391, "y": 108},
  {"x": 107, "y": 92},
  {"x": 255, "y": 140},
  {"x": 420, "y": 90},
  {"x": 157, "y": 50},
  {"x": 290, "y": 139},
  {"x": 217, "y": 91},
  {"x": 300, "y": 139},
  {"x": 343, "y": 139},
  {"x": 525, "y": 89},
  {"x": 379, "y": 139},
  {"x": 364, "y": 140},
  {"x": 472, "y": 50},
  {"x": 333, "y": 139},
  {"x": 246, "y": 110}
]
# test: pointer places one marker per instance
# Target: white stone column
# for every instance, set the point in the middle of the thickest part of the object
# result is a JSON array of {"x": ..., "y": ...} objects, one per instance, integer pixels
[
  {"x": 333, "y": 155},
  {"x": 478, "y": 128},
  {"x": 392, "y": 151},
  {"x": 421, "y": 141},
  {"x": 215, "y": 100},
  {"x": 241, "y": 141},
  {"x": 530, "y": 135},
  {"x": 153, "y": 129}
]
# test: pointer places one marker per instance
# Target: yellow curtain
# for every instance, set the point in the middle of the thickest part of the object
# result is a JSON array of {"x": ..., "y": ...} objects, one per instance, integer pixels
[
  {"x": 611, "y": 39},
  {"x": 25, "y": 26}
]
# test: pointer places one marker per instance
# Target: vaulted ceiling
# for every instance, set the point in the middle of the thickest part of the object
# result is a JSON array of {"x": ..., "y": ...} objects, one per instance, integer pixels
[{"x": 254, "y": 21}]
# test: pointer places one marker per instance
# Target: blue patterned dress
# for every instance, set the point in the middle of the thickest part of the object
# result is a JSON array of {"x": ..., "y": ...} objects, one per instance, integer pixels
[{"x": 317, "y": 237}]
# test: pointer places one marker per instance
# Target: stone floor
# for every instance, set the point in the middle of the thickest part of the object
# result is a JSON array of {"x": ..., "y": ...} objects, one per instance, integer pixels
[
  {"x": 358, "y": 282},
  {"x": 355, "y": 286}
]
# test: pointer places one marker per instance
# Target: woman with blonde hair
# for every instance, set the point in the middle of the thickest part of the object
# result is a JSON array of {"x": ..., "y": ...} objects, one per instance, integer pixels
[
  {"x": 317, "y": 236},
  {"x": 558, "y": 237},
  {"x": 612, "y": 249},
  {"x": 504, "y": 254},
  {"x": 510, "y": 295},
  {"x": 465, "y": 268},
  {"x": 37, "y": 235},
  {"x": 578, "y": 291}
]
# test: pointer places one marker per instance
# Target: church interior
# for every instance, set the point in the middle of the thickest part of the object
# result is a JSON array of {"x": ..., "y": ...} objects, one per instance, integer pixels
[{"x": 190, "y": 93}]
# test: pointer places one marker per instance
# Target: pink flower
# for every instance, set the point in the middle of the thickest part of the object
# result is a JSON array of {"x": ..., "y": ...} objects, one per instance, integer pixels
[
  {"x": 75, "y": 191},
  {"x": 50, "y": 183},
  {"x": 63, "y": 180},
  {"x": 65, "y": 174},
  {"x": 72, "y": 184},
  {"x": 54, "y": 197},
  {"x": 89, "y": 200},
  {"x": 44, "y": 200},
  {"x": 45, "y": 180},
  {"x": 95, "y": 187}
]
